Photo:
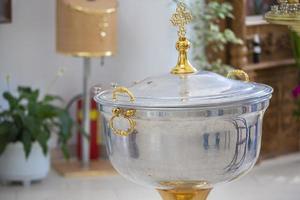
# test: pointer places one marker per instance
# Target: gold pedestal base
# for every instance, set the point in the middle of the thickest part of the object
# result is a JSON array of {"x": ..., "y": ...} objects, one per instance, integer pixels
[{"x": 185, "y": 194}]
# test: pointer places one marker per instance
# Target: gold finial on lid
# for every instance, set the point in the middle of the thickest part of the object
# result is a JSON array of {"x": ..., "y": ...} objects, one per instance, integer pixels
[{"x": 181, "y": 18}]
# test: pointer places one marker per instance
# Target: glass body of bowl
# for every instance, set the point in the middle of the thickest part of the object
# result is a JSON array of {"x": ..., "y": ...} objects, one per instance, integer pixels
[{"x": 193, "y": 147}]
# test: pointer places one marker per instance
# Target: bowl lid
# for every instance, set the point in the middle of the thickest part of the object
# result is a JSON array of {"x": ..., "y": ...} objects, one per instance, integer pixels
[{"x": 201, "y": 89}]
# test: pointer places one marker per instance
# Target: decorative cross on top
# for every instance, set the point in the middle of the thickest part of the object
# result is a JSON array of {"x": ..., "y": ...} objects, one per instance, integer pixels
[{"x": 181, "y": 18}]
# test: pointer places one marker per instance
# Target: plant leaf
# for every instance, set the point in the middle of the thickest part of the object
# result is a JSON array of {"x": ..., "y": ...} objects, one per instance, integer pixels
[
  {"x": 42, "y": 139},
  {"x": 12, "y": 101},
  {"x": 3, "y": 137},
  {"x": 26, "y": 140}
]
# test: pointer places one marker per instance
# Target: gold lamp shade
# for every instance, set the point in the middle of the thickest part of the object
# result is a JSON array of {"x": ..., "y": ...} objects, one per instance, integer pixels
[{"x": 86, "y": 28}]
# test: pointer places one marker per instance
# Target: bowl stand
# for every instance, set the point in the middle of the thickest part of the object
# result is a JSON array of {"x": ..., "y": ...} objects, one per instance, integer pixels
[{"x": 185, "y": 194}]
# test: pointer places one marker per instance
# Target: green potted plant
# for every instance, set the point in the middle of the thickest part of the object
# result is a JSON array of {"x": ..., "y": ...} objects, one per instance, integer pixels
[{"x": 25, "y": 129}]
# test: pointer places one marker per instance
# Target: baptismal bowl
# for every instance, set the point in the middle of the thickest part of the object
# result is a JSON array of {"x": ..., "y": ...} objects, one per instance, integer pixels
[
  {"x": 184, "y": 132},
  {"x": 211, "y": 134}
]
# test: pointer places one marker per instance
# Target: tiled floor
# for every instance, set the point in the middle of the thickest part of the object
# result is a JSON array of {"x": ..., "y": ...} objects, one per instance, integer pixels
[{"x": 272, "y": 180}]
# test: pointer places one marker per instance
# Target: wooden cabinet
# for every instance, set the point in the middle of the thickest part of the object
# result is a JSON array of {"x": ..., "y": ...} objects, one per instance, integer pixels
[
  {"x": 276, "y": 68},
  {"x": 280, "y": 131}
]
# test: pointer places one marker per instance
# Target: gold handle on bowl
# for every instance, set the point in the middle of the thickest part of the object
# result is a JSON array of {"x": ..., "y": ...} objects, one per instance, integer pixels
[
  {"x": 124, "y": 113},
  {"x": 122, "y": 90},
  {"x": 240, "y": 74}
]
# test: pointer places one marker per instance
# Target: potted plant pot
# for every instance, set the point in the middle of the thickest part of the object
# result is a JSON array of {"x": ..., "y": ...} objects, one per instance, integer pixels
[{"x": 14, "y": 166}]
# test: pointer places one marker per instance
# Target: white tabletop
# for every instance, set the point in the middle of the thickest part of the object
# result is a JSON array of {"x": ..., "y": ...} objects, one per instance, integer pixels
[{"x": 277, "y": 179}]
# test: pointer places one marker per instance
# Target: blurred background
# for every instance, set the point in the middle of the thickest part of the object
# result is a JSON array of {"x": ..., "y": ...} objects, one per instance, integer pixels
[{"x": 54, "y": 54}]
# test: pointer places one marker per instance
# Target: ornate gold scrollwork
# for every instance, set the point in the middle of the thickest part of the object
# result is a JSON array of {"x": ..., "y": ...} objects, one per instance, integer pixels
[
  {"x": 240, "y": 74},
  {"x": 123, "y": 113}
]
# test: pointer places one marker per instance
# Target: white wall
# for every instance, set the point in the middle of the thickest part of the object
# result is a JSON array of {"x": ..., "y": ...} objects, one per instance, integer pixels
[{"x": 27, "y": 47}]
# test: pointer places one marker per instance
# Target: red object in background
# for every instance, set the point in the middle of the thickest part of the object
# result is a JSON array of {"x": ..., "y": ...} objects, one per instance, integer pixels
[{"x": 94, "y": 131}]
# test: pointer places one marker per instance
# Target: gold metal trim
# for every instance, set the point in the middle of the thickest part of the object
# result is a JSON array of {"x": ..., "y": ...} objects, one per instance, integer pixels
[
  {"x": 286, "y": 13},
  {"x": 240, "y": 74},
  {"x": 184, "y": 194},
  {"x": 183, "y": 65},
  {"x": 124, "y": 113},
  {"x": 87, "y": 54},
  {"x": 181, "y": 18},
  {"x": 123, "y": 90}
]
